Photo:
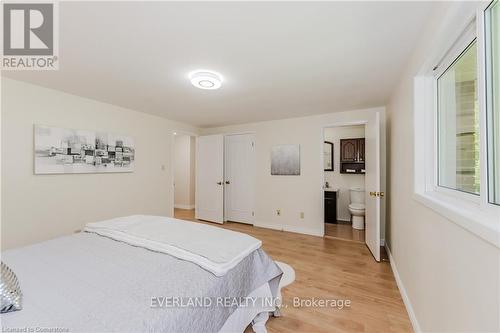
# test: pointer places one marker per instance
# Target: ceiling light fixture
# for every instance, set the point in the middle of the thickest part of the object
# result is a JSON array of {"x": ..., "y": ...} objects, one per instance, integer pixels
[{"x": 205, "y": 79}]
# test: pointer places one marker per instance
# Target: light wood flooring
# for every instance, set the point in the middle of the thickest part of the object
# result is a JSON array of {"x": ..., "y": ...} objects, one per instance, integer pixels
[
  {"x": 328, "y": 268},
  {"x": 344, "y": 231}
]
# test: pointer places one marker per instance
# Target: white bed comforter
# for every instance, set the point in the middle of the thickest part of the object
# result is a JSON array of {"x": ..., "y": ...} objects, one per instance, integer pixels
[
  {"x": 185, "y": 240},
  {"x": 90, "y": 283}
]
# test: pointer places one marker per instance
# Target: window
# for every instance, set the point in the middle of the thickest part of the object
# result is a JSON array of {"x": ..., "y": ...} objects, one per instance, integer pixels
[
  {"x": 457, "y": 120},
  {"x": 458, "y": 124},
  {"x": 492, "y": 20}
]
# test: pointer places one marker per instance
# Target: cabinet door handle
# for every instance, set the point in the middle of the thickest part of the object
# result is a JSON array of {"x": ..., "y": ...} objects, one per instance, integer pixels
[
  {"x": 219, "y": 183},
  {"x": 228, "y": 182}
]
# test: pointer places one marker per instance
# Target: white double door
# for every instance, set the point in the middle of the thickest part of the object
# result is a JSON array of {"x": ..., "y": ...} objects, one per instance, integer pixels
[{"x": 225, "y": 178}]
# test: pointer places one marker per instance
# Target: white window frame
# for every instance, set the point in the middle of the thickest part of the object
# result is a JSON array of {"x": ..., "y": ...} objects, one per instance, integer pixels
[
  {"x": 467, "y": 38},
  {"x": 470, "y": 211},
  {"x": 490, "y": 118}
]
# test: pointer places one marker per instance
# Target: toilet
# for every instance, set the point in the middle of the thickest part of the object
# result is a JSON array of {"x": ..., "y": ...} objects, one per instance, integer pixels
[{"x": 357, "y": 207}]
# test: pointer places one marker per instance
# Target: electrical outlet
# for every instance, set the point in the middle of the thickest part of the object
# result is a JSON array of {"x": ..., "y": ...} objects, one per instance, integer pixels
[
  {"x": 278, "y": 212},
  {"x": 301, "y": 215}
]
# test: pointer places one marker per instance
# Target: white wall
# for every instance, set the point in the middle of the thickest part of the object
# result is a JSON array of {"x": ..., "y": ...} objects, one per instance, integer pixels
[
  {"x": 184, "y": 172},
  {"x": 339, "y": 180},
  {"x": 295, "y": 194},
  {"x": 39, "y": 207},
  {"x": 451, "y": 277}
]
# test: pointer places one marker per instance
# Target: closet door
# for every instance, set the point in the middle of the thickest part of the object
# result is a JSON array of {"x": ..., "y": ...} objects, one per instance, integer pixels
[
  {"x": 210, "y": 178},
  {"x": 239, "y": 178}
]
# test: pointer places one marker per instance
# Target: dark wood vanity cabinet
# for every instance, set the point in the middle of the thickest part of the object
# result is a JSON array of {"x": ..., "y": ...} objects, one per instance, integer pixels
[
  {"x": 330, "y": 207},
  {"x": 352, "y": 155}
]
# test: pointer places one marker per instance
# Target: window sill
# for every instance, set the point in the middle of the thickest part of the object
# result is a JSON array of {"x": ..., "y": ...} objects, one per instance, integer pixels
[{"x": 469, "y": 216}]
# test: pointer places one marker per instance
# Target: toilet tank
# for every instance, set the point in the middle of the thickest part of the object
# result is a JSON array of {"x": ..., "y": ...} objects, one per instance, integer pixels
[{"x": 357, "y": 195}]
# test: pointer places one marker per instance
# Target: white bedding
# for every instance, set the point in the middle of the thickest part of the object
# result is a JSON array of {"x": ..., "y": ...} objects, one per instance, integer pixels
[
  {"x": 182, "y": 239},
  {"x": 257, "y": 315},
  {"x": 89, "y": 283}
]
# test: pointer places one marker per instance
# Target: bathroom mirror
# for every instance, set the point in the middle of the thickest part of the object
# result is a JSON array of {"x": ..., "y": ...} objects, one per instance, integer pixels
[{"x": 328, "y": 156}]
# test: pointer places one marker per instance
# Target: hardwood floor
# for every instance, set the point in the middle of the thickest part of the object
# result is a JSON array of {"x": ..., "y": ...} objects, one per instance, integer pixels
[
  {"x": 329, "y": 268},
  {"x": 344, "y": 231}
]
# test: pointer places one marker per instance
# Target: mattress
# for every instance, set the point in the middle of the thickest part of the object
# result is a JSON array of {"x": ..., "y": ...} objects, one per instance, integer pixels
[{"x": 90, "y": 283}]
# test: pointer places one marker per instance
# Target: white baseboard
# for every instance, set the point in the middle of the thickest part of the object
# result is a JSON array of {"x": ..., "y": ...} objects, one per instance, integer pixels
[
  {"x": 290, "y": 228},
  {"x": 183, "y": 206},
  {"x": 404, "y": 295}
]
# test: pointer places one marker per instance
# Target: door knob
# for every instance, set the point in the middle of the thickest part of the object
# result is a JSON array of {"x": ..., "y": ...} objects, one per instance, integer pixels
[
  {"x": 228, "y": 182},
  {"x": 219, "y": 183},
  {"x": 373, "y": 194}
]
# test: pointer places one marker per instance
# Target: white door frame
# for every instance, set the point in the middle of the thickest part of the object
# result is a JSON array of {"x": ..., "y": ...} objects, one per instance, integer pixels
[
  {"x": 382, "y": 167},
  {"x": 172, "y": 166}
]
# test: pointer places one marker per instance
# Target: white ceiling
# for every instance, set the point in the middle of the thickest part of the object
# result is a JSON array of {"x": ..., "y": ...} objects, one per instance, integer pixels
[{"x": 278, "y": 59}]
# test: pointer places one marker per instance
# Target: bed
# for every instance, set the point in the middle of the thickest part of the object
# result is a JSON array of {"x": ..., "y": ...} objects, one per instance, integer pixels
[{"x": 96, "y": 282}]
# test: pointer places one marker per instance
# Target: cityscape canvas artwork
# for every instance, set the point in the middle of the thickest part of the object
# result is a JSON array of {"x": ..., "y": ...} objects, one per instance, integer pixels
[
  {"x": 60, "y": 150},
  {"x": 285, "y": 160}
]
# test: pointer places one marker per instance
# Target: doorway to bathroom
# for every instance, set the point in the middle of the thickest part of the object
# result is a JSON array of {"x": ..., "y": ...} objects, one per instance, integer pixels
[
  {"x": 353, "y": 179},
  {"x": 344, "y": 182}
]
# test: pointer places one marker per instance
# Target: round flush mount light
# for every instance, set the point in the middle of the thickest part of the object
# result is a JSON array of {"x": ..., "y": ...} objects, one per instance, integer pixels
[{"x": 205, "y": 79}]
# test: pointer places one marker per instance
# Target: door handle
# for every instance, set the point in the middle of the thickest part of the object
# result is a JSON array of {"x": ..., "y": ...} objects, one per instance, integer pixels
[
  {"x": 228, "y": 182},
  {"x": 377, "y": 194},
  {"x": 219, "y": 183}
]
